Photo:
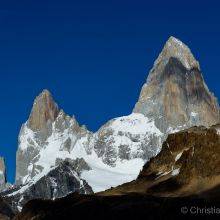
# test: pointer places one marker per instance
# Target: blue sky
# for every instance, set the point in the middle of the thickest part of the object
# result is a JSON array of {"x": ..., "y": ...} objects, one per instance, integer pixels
[{"x": 93, "y": 56}]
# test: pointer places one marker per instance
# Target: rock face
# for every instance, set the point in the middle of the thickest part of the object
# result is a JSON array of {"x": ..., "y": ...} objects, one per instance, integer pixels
[
  {"x": 59, "y": 182},
  {"x": 2, "y": 174},
  {"x": 2, "y": 171},
  {"x": 175, "y": 95},
  {"x": 189, "y": 163},
  {"x": 44, "y": 113}
]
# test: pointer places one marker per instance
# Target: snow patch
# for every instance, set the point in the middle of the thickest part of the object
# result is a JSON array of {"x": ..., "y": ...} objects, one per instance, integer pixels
[
  {"x": 178, "y": 156},
  {"x": 175, "y": 172}
]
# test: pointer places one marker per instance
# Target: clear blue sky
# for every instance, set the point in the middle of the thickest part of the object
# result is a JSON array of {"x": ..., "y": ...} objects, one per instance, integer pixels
[{"x": 93, "y": 56}]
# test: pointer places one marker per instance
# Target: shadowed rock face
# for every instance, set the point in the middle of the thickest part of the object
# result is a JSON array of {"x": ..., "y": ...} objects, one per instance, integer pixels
[
  {"x": 59, "y": 182},
  {"x": 6, "y": 212},
  {"x": 131, "y": 206},
  {"x": 175, "y": 94}
]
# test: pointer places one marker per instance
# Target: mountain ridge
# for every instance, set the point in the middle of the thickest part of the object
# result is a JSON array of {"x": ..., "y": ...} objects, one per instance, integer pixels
[{"x": 174, "y": 97}]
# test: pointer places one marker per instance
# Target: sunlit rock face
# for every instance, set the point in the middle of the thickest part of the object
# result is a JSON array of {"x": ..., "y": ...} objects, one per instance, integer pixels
[{"x": 175, "y": 95}]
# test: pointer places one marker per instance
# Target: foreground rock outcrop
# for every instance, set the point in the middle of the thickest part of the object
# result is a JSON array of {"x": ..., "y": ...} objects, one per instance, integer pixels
[{"x": 130, "y": 206}]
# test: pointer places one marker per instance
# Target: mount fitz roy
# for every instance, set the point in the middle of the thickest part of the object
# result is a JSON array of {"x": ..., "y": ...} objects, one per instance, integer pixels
[{"x": 55, "y": 150}]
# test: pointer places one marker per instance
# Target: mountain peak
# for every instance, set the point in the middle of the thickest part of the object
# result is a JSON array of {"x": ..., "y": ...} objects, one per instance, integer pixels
[
  {"x": 175, "y": 93},
  {"x": 45, "y": 92},
  {"x": 174, "y": 48},
  {"x": 44, "y": 109}
]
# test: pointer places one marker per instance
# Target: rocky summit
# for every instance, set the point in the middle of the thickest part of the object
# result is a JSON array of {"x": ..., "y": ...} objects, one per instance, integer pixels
[{"x": 174, "y": 97}]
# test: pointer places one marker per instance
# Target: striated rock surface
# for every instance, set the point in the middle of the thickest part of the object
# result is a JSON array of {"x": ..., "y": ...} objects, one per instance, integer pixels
[{"x": 175, "y": 95}]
